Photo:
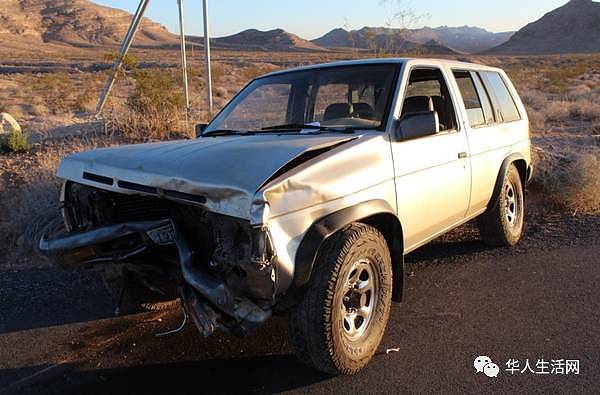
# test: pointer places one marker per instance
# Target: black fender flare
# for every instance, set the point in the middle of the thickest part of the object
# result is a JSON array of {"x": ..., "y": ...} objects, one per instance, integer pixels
[
  {"x": 328, "y": 225},
  {"x": 509, "y": 160}
]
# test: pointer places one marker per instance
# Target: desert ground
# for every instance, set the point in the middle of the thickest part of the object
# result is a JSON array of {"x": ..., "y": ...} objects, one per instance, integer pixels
[
  {"x": 61, "y": 321},
  {"x": 53, "y": 101}
]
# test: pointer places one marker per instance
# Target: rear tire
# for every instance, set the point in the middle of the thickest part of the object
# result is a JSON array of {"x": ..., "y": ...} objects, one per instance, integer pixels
[
  {"x": 339, "y": 323},
  {"x": 502, "y": 224}
]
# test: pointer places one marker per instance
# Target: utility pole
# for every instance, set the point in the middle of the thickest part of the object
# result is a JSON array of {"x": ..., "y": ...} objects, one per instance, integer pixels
[
  {"x": 183, "y": 58},
  {"x": 125, "y": 45},
  {"x": 207, "y": 61}
]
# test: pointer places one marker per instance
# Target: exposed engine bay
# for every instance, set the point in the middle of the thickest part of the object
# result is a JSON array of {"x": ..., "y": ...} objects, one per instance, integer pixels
[{"x": 220, "y": 266}]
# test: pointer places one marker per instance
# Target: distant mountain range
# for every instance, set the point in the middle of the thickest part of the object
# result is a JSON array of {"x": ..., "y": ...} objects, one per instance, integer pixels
[
  {"x": 572, "y": 28},
  {"x": 73, "y": 22},
  {"x": 280, "y": 40},
  {"x": 462, "y": 39},
  {"x": 27, "y": 24},
  {"x": 256, "y": 40}
]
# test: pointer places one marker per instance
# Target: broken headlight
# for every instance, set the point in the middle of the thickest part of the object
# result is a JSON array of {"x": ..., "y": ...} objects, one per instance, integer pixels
[{"x": 262, "y": 252}]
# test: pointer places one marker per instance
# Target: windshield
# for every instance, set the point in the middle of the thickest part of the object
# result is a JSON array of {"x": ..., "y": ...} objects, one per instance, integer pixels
[{"x": 348, "y": 97}]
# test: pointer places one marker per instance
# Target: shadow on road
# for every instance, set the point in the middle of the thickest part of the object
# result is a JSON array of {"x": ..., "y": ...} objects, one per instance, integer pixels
[
  {"x": 264, "y": 374},
  {"x": 41, "y": 297},
  {"x": 447, "y": 249}
]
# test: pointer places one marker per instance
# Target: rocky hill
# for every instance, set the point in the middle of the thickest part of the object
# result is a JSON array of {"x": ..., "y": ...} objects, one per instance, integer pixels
[
  {"x": 467, "y": 39},
  {"x": 256, "y": 40},
  {"x": 73, "y": 22},
  {"x": 572, "y": 28},
  {"x": 462, "y": 39},
  {"x": 388, "y": 40}
]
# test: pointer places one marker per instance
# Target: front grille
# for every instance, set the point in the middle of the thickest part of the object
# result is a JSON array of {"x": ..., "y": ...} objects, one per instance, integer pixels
[{"x": 139, "y": 208}]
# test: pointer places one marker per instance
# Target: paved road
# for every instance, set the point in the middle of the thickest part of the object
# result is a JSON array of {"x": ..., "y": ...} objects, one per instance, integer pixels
[{"x": 463, "y": 300}]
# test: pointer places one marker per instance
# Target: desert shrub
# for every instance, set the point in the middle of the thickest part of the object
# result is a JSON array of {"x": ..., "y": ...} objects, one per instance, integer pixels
[
  {"x": 153, "y": 110},
  {"x": 86, "y": 101},
  {"x": 220, "y": 92},
  {"x": 558, "y": 110},
  {"x": 130, "y": 62},
  {"x": 570, "y": 180},
  {"x": 15, "y": 141},
  {"x": 585, "y": 109},
  {"x": 251, "y": 72},
  {"x": 155, "y": 91},
  {"x": 217, "y": 72},
  {"x": 56, "y": 89},
  {"x": 133, "y": 126}
]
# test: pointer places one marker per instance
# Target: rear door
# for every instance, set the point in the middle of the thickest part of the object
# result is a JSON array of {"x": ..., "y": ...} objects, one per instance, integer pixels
[
  {"x": 432, "y": 174},
  {"x": 492, "y": 124}
]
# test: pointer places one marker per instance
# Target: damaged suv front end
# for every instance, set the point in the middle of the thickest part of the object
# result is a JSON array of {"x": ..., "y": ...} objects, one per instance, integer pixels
[
  {"x": 175, "y": 249},
  {"x": 218, "y": 221}
]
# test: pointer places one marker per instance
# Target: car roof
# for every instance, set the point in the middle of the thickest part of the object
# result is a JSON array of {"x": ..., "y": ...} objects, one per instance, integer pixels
[{"x": 408, "y": 61}]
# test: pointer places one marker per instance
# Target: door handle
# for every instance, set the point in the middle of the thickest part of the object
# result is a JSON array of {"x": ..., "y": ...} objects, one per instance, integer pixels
[{"x": 462, "y": 155}]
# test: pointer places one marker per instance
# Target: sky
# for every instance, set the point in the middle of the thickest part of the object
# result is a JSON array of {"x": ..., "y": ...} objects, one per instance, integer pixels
[{"x": 312, "y": 18}]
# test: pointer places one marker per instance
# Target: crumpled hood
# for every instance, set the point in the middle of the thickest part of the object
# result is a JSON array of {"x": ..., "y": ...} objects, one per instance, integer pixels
[{"x": 227, "y": 171}]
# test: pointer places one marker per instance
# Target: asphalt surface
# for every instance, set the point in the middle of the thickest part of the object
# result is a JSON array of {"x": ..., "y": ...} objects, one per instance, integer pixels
[{"x": 538, "y": 301}]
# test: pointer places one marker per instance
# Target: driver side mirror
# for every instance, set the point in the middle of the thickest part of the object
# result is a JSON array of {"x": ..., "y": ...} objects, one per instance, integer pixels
[
  {"x": 200, "y": 129},
  {"x": 415, "y": 125}
]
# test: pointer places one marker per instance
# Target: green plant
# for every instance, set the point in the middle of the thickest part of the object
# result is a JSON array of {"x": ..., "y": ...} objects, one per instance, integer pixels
[
  {"x": 15, "y": 141},
  {"x": 155, "y": 91},
  {"x": 130, "y": 62}
]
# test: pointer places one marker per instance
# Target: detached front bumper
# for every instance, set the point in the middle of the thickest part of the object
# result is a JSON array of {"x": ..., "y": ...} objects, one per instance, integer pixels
[
  {"x": 207, "y": 299},
  {"x": 110, "y": 243}
]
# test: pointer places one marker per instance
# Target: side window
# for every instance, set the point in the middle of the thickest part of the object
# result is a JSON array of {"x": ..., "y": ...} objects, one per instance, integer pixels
[
  {"x": 475, "y": 99},
  {"x": 504, "y": 101},
  {"x": 427, "y": 91},
  {"x": 488, "y": 111}
]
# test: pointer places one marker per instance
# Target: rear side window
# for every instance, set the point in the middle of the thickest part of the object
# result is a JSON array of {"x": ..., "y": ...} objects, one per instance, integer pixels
[
  {"x": 504, "y": 102},
  {"x": 473, "y": 103},
  {"x": 485, "y": 99}
]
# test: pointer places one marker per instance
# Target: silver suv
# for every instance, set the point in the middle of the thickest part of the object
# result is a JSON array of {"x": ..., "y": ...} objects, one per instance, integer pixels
[{"x": 302, "y": 197}]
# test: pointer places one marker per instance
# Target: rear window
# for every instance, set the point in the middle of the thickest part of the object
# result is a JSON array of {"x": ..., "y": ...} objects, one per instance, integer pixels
[
  {"x": 504, "y": 101},
  {"x": 470, "y": 98}
]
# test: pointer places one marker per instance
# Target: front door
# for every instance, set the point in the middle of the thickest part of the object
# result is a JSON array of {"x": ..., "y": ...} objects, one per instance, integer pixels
[{"x": 432, "y": 174}]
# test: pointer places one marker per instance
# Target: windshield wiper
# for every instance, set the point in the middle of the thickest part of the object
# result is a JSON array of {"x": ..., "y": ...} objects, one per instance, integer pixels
[
  {"x": 293, "y": 126},
  {"x": 315, "y": 128},
  {"x": 225, "y": 132}
]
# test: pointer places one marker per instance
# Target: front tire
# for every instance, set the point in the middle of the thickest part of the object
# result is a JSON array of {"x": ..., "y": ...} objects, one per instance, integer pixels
[
  {"x": 339, "y": 324},
  {"x": 502, "y": 224}
]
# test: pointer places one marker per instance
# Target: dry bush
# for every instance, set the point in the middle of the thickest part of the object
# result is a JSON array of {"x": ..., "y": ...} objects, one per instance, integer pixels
[
  {"x": 255, "y": 70},
  {"x": 558, "y": 110},
  {"x": 153, "y": 110},
  {"x": 56, "y": 89},
  {"x": 220, "y": 92},
  {"x": 30, "y": 191},
  {"x": 570, "y": 179},
  {"x": 133, "y": 126},
  {"x": 218, "y": 72},
  {"x": 585, "y": 109},
  {"x": 29, "y": 203}
]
